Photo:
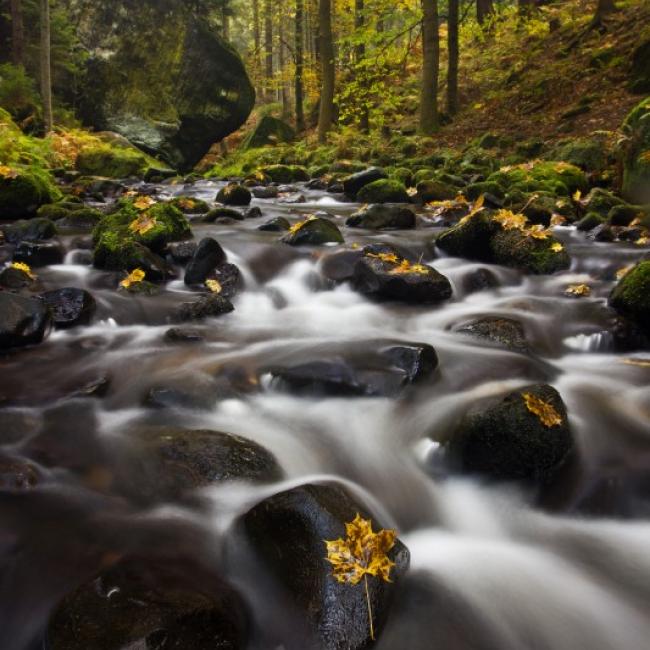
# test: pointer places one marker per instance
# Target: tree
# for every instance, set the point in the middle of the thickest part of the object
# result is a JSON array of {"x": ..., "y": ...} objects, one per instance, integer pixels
[
  {"x": 452, "y": 67},
  {"x": 360, "y": 53},
  {"x": 17, "y": 33},
  {"x": 484, "y": 9},
  {"x": 326, "y": 49},
  {"x": 300, "y": 62},
  {"x": 603, "y": 8},
  {"x": 46, "y": 66},
  {"x": 268, "y": 47},
  {"x": 430, "y": 64}
]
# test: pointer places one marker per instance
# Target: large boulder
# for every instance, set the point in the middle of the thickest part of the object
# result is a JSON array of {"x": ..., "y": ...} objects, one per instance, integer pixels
[
  {"x": 23, "y": 321},
  {"x": 23, "y": 191},
  {"x": 631, "y": 296},
  {"x": 314, "y": 231},
  {"x": 382, "y": 217},
  {"x": 354, "y": 183},
  {"x": 269, "y": 130},
  {"x": 70, "y": 306},
  {"x": 385, "y": 190},
  {"x": 636, "y": 151},
  {"x": 207, "y": 257},
  {"x": 332, "y": 615}
]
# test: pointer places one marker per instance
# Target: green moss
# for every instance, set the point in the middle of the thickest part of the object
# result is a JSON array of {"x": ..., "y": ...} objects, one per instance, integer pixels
[
  {"x": 434, "y": 190},
  {"x": 384, "y": 190},
  {"x": 59, "y": 210},
  {"x": 601, "y": 201},
  {"x": 631, "y": 297},
  {"x": 636, "y": 161},
  {"x": 558, "y": 178},
  {"x": 190, "y": 205},
  {"x": 475, "y": 190},
  {"x": 234, "y": 194},
  {"x": 24, "y": 191},
  {"x": 469, "y": 239},
  {"x": 286, "y": 173},
  {"x": 401, "y": 174},
  {"x": 514, "y": 249},
  {"x": 425, "y": 174},
  {"x": 111, "y": 162},
  {"x": 589, "y": 154}
]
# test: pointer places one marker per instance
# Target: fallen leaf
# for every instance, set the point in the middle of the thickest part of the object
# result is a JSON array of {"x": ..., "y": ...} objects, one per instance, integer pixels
[
  {"x": 557, "y": 247},
  {"x": 297, "y": 226},
  {"x": 622, "y": 272},
  {"x": 134, "y": 277},
  {"x": 143, "y": 224},
  {"x": 7, "y": 172},
  {"x": 214, "y": 286},
  {"x": 577, "y": 290},
  {"x": 144, "y": 203},
  {"x": 546, "y": 412},
  {"x": 641, "y": 363},
  {"x": 25, "y": 268},
  {"x": 508, "y": 220}
]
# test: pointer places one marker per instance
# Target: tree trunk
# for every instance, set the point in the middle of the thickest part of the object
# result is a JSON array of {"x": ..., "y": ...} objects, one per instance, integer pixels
[
  {"x": 430, "y": 63},
  {"x": 268, "y": 48},
  {"x": 360, "y": 53},
  {"x": 284, "y": 94},
  {"x": 604, "y": 8},
  {"x": 300, "y": 62},
  {"x": 46, "y": 66},
  {"x": 17, "y": 33},
  {"x": 452, "y": 67},
  {"x": 326, "y": 48},
  {"x": 484, "y": 9}
]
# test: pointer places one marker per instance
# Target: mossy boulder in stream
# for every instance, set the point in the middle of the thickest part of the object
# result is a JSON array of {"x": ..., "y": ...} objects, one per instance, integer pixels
[
  {"x": 383, "y": 217},
  {"x": 385, "y": 190},
  {"x": 36, "y": 229},
  {"x": 23, "y": 190},
  {"x": 234, "y": 194},
  {"x": 285, "y": 173},
  {"x": 524, "y": 436},
  {"x": 112, "y": 162},
  {"x": 23, "y": 321},
  {"x": 631, "y": 297},
  {"x": 354, "y": 183},
  {"x": 559, "y": 178},
  {"x": 636, "y": 154},
  {"x": 190, "y": 205},
  {"x": 315, "y": 231},
  {"x": 518, "y": 249},
  {"x": 269, "y": 130}
]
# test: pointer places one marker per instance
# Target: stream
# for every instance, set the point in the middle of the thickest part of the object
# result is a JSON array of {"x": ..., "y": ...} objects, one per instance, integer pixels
[{"x": 492, "y": 566}]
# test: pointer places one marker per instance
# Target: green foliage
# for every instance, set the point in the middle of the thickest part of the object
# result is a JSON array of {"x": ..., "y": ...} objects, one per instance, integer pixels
[
  {"x": 111, "y": 162},
  {"x": 18, "y": 93}
]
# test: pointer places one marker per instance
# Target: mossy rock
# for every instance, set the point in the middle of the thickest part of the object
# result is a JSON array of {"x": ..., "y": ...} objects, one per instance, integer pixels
[
  {"x": 234, "y": 194},
  {"x": 559, "y": 178},
  {"x": 314, "y": 232},
  {"x": 475, "y": 190},
  {"x": 469, "y": 239},
  {"x": 384, "y": 190},
  {"x": 112, "y": 162},
  {"x": 515, "y": 249},
  {"x": 601, "y": 201},
  {"x": 434, "y": 190},
  {"x": 58, "y": 210},
  {"x": 590, "y": 221},
  {"x": 403, "y": 175},
  {"x": 286, "y": 173},
  {"x": 636, "y": 161},
  {"x": 631, "y": 296},
  {"x": 84, "y": 220},
  {"x": 426, "y": 174},
  {"x": 37, "y": 229},
  {"x": 190, "y": 205},
  {"x": 590, "y": 154},
  {"x": 23, "y": 191},
  {"x": 624, "y": 215},
  {"x": 269, "y": 130}
]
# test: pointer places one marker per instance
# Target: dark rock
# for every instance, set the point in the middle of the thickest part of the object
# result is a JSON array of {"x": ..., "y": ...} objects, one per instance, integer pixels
[
  {"x": 29, "y": 230},
  {"x": 315, "y": 231},
  {"x": 208, "y": 256},
  {"x": 79, "y": 221},
  {"x": 23, "y": 321},
  {"x": 12, "y": 278},
  {"x": 95, "y": 388},
  {"x": 70, "y": 307},
  {"x": 190, "y": 205},
  {"x": 339, "y": 266},
  {"x": 603, "y": 233},
  {"x": 184, "y": 335},
  {"x": 417, "y": 360},
  {"x": 480, "y": 280},
  {"x": 515, "y": 249},
  {"x": 158, "y": 174},
  {"x": 205, "y": 307},
  {"x": 278, "y": 224},
  {"x": 293, "y": 199},
  {"x": 353, "y": 184},
  {"x": 507, "y": 441},
  {"x": 253, "y": 213},
  {"x": 285, "y": 173},
  {"x": 38, "y": 254},
  {"x": 630, "y": 234},
  {"x": 589, "y": 222},
  {"x": 505, "y": 332},
  {"x": 270, "y": 192},
  {"x": 17, "y": 474},
  {"x": 623, "y": 215},
  {"x": 269, "y": 130},
  {"x": 383, "y": 217},
  {"x": 386, "y": 276},
  {"x": 194, "y": 399},
  {"x": 222, "y": 213},
  {"x": 640, "y": 72},
  {"x": 332, "y": 378},
  {"x": 430, "y": 190},
  {"x": 183, "y": 251},
  {"x": 631, "y": 296},
  {"x": 301, "y": 519},
  {"x": 134, "y": 256},
  {"x": 234, "y": 194},
  {"x": 469, "y": 239},
  {"x": 229, "y": 277},
  {"x": 383, "y": 191}
]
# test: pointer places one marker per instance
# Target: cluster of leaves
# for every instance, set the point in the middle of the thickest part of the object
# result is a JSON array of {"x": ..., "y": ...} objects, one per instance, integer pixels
[
  {"x": 135, "y": 277},
  {"x": 547, "y": 413},
  {"x": 401, "y": 266}
]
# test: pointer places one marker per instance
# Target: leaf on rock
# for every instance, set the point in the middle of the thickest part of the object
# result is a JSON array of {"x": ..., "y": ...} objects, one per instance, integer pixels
[
  {"x": 134, "y": 277},
  {"x": 557, "y": 247},
  {"x": 297, "y": 226},
  {"x": 144, "y": 203},
  {"x": 214, "y": 286},
  {"x": 578, "y": 290},
  {"x": 142, "y": 224},
  {"x": 622, "y": 272},
  {"x": 7, "y": 172},
  {"x": 539, "y": 232},
  {"x": 509, "y": 220},
  {"x": 25, "y": 268},
  {"x": 546, "y": 412}
]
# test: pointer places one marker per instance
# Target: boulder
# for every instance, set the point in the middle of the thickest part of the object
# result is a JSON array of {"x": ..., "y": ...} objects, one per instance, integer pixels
[
  {"x": 37, "y": 229},
  {"x": 128, "y": 256},
  {"x": 23, "y": 191},
  {"x": 516, "y": 249},
  {"x": 631, "y": 296},
  {"x": 15, "y": 278},
  {"x": 524, "y": 436},
  {"x": 270, "y": 192},
  {"x": 285, "y": 173},
  {"x": 217, "y": 214},
  {"x": 190, "y": 205},
  {"x": 23, "y": 321},
  {"x": 335, "y": 614},
  {"x": 82, "y": 221},
  {"x": 269, "y": 130},
  {"x": 278, "y": 224},
  {"x": 234, "y": 194},
  {"x": 38, "y": 254},
  {"x": 184, "y": 335},
  {"x": 70, "y": 307},
  {"x": 383, "y": 191},
  {"x": 383, "y": 217},
  {"x": 505, "y": 332},
  {"x": 636, "y": 154},
  {"x": 183, "y": 251},
  {"x": 208, "y": 256},
  {"x": 354, "y": 183},
  {"x": 432, "y": 190},
  {"x": 111, "y": 162},
  {"x": 315, "y": 231},
  {"x": 205, "y": 307}
]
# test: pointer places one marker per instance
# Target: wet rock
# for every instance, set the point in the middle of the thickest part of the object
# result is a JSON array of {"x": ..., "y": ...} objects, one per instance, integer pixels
[
  {"x": 335, "y": 614},
  {"x": 508, "y": 441},
  {"x": 270, "y": 192},
  {"x": 70, "y": 307},
  {"x": 279, "y": 224},
  {"x": 382, "y": 217},
  {"x": 97, "y": 387},
  {"x": 17, "y": 474},
  {"x": 469, "y": 239},
  {"x": 208, "y": 256},
  {"x": 353, "y": 184},
  {"x": 205, "y": 307},
  {"x": 218, "y": 214},
  {"x": 589, "y": 222},
  {"x": 229, "y": 278},
  {"x": 339, "y": 266},
  {"x": 195, "y": 399},
  {"x": 13, "y": 278},
  {"x": 83, "y": 220},
  {"x": 23, "y": 321},
  {"x": 190, "y": 205},
  {"x": 431, "y": 190},
  {"x": 293, "y": 199},
  {"x": 184, "y": 335},
  {"x": 383, "y": 191},
  {"x": 480, "y": 280},
  {"x": 183, "y": 251},
  {"x": 515, "y": 249},
  {"x": 603, "y": 233},
  {"x": 253, "y": 213},
  {"x": 29, "y": 230},
  {"x": 39, "y": 254},
  {"x": 389, "y": 276},
  {"x": 505, "y": 332},
  {"x": 628, "y": 336},
  {"x": 23, "y": 192},
  {"x": 286, "y": 173},
  {"x": 153, "y": 604},
  {"x": 134, "y": 256},
  {"x": 317, "y": 378},
  {"x": 315, "y": 231},
  {"x": 143, "y": 288},
  {"x": 234, "y": 194},
  {"x": 623, "y": 215},
  {"x": 631, "y": 296},
  {"x": 417, "y": 360},
  {"x": 158, "y": 174}
]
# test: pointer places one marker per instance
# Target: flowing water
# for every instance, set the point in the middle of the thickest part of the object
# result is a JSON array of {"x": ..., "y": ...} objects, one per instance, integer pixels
[{"x": 491, "y": 566}]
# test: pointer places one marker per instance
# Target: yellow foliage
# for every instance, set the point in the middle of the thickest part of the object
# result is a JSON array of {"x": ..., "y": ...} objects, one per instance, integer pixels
[
  {"x": 546, "y": 412},
  {"x": 142, "y": 224},
  {"x": 539, "y": 232},
  {"x": 297, "y": 226},
  {"x": 509, "y": 220},
  {"x": 391, "y": 258},
  {"x": 186, "y": 204},
  {"x": 7, "y": 172},
  {"x": 25, "y": 268},
  {"x": 640, "y": 363},
  {"x": 144, "y": 203},
  {"x": 642, "y": 241},
  {"x": 405, "y": 267},
  {"x": 578, "y": 290},
  {"x": 134, "y": 277},
  {"x": 214, "y": 286},
  {"x": 557, "y": 247},
  {"x": 622, "y": 272}
]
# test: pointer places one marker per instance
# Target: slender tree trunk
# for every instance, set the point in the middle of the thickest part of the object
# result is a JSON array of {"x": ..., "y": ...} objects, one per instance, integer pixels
[
  {"x": 326, "y": 47},
  {"x": 268, "y": 48},
  {"x": 300, "y": 62},
  {"x": 284, "y": 91},
  {"x": 17, "y": 33},
  {"x": 604, "y": 8},
  {"x": 46, "y": 66},
  {"x": 430, "y": 64},
  {"x": 360, "y": 53},
  {"x": 484, "y": 9},
  {"x": 452, "y": 67}
]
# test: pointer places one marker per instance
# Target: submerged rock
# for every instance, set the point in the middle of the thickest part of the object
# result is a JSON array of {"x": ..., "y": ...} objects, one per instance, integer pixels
[
  {"x": 315, "y": 231},
  {"x": 382, "y": 217},
  {"x": 23, "y": 321},
  {"x": 234, "y": 194},
  {"x": 353, "y": 184},
  {"x": 184, "y": 335},
  {"x": 70, "y": 307},
  {"x": 39, "y": 254},
  {"x": 278, "y": 224},
  {"x": 285, "y": 173},
  {"x": 205, "y": 307},
  {"x": 32, "y": 230},
  {"x": 207, "y": 257},
  {"x": 335, "y": 615},
  {"x": 505, "y": 332}
]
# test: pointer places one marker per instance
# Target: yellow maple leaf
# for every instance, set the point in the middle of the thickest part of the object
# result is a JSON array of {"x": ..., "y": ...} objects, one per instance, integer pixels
[
  {"x": 509, "y": 220},
  {"x": 578, "y": 290},
  {"x": 361, "y": 554},
  {"x": 143, "y": 224},
  {"x": 25, "y": 268},
  {"x": 391, "y": 258},
  {"x": 546, "y": 412},
  {"x": 538, "y": 232},
  {"x": 297, "y": 226},
  {"x": 557, "y": 247},
  {"x": 405, "y": 267},
  {"x": 144, "y": 203},
  {"x": 642, "y": 241},
  {"x": 577, "y": 196},
  {"x": 214, "y": 286},
  {"x": 134, "y": 277},
  {"x": 558, "y": 220},
  {"x": 186, "y": 203},
  {"x": 7, "y": 172}
]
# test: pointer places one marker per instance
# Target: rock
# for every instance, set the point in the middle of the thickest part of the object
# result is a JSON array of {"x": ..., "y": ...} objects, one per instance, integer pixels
[
  {"x": 222, "y": 213},
  {"x": 234, "y": 194},
  {"x": 208, "y": 256},
  {"x": 432, "y": 190},
  {"x": 294, "y": 199},
  {"x": 229, "y": 278},
  {"x": 383, "y": 191},
  {"x": 37, "y": 229},
  {"x": 382, "y": 217},
  {"x": 623, "y": 215},
  {"x": 23, "y": 321},
  {"x": 354, "y": 183},
  {"x": 590, "y": 154},
  {"x": 505, "y": 332},
  {"x": 278, "y": 224},
  {"x": 70, "y": 307},
  {"x": 158, "y": 174},
  {"x": 190, "y": 205},
  {"x": 38, "y": 254},
  {"x": 183, "y": 251},
  {"x": 111, "y": 162},
  {"x": 12, "y": 278},
  {"x": 558, "y": 178},
  {"x": 508, "y": 441},
  {"x": 589, "y": 222},
  {"x": 603, "y": 233},
  {"x": 97, "y": 387},
  {"x": 631, "y": 296},
  {"x": 60, "y": 210},
  {"x": 301, "y": 519},
  {"x": 417, "y": 360},
  {"x": 23, "y": 191},
  {"x": 315, "y": 231},
  {"x": 536, "y": 256},
  {"x": 286, "y": 173},
  {"x": 157, "y": 603},
  {"x": 17, "y": 474},
  {"x": 389, "y": 276},
  {"x": 253, "y": 213},
  {"x": 143, "y": 288},
  {"x": 469, "y": 239},
  {"x": 480, "y": 280},
  {"x": 205, "y": 307},
  {"x": 270, "y": 192},
  {"x": 184, "y": 335},
  {"x": 191, "y": 398},
  {"x": 269, "y": 130},
  {"x": 600, "y": 201},
  {"x": 132, "y": 256},
  {"x": 79, "y": 220},
  {"x": 640, "y": 72},
  {"x": 636, "y": 162}
]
